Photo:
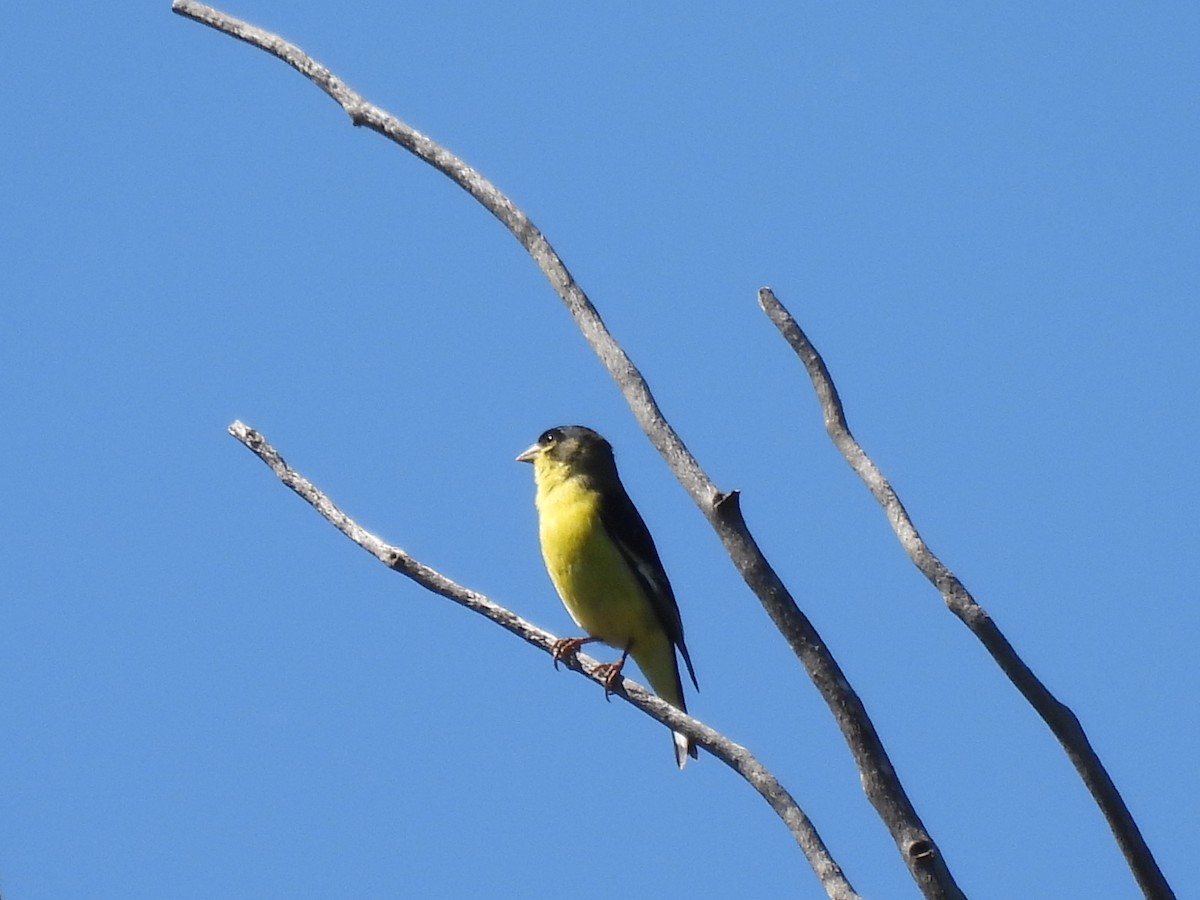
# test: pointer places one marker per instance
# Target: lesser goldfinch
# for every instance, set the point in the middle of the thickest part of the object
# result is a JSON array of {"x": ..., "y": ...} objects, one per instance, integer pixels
[{"x": 604, "y": 564}]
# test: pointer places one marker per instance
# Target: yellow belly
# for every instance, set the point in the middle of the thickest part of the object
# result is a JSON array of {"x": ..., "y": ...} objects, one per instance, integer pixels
[{"x": 591, "y": 576}]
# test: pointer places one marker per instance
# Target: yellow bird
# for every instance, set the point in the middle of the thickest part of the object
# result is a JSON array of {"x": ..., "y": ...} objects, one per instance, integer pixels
[{"x": 604, "y": 564}]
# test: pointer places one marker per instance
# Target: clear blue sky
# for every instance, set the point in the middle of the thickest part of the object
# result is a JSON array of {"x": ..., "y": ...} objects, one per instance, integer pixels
[{"x": 988, "y": 222}]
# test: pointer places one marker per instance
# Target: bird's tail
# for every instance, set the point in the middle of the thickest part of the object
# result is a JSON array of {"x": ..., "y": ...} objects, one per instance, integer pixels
[
  {"x": 662, "y": 671},
  {"x": 684, "y": 747}
]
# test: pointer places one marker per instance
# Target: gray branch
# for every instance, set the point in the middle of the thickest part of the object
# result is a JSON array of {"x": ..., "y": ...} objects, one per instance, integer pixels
[
  {"x": 1057, "y": 715},
  {"x": 733, "y": 755},
  {"x": 722, "y": 509}
]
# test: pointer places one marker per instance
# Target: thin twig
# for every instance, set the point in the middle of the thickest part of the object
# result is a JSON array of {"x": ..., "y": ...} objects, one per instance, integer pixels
[
  {"x": 733, "y": 755},
  {"x": 1061, "y": 720},
  {"x": 878, "y": 777}
]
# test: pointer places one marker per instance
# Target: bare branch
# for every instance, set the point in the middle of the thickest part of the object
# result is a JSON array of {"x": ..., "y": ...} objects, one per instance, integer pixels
[
  {"x": 733, "y": 755},
  {"x": 1061, "y": 720},
  {"x": 879, "y": 779}
]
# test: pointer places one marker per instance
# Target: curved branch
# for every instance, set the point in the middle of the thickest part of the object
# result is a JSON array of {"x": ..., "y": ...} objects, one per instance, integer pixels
[
  {"x": 1057, "y": 715},
  {"x": 879, "y": 779},
  {"x": 733, "y": 755}
]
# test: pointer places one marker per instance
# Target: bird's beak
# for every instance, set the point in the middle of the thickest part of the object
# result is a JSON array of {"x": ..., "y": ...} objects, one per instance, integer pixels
[{"x": 530, "y": 454}]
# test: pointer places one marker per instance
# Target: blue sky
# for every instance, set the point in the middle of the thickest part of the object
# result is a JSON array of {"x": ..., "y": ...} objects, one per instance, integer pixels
[{"x": 985, "y": 219}]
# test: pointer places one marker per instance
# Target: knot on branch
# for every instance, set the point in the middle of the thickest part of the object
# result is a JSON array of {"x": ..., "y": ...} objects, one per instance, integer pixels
[
  {"x": 728, "y": 501},
  {"x": 921, "y": 850}
]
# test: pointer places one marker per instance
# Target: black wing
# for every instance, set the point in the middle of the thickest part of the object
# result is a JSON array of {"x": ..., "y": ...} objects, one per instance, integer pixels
[{"x": 628, "y": 531}]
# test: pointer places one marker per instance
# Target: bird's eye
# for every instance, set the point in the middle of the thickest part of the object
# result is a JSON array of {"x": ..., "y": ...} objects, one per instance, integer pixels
[{"x": 550, "y": 437}]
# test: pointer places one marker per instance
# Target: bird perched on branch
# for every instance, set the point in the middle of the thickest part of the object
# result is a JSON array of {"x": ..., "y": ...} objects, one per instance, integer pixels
[{"x": 604, "y": 564}]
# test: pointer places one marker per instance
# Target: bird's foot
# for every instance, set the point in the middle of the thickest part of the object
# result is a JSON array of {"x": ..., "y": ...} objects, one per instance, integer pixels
[
  {"x": 611, "y": 673},
  {"x": 565, "y": 647}
]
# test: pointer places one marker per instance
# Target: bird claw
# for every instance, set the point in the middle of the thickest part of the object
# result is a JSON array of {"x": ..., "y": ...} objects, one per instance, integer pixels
[
  {"x": 611, "y": 673},
  {"x": 566, "y": 647}
]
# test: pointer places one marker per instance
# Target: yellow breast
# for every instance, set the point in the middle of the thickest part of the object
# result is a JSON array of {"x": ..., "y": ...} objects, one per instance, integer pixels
[{"x": 591, "y": 576}]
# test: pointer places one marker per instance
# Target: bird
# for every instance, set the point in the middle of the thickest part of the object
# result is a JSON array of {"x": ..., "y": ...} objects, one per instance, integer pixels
[{"x": 604, "y": 565}]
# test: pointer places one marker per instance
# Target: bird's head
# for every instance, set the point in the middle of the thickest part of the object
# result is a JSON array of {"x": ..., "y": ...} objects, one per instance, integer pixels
[{"x": 573, "y": 448}]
